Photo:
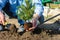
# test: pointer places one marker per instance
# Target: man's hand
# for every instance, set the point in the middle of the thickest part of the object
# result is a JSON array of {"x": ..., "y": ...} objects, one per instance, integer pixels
[
  {"x": 34, "y": 21},
  {"x": 1, "y": 18}
]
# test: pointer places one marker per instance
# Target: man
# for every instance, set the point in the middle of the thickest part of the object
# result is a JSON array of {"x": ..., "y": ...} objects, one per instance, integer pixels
[{"x": 12, "y": 7}]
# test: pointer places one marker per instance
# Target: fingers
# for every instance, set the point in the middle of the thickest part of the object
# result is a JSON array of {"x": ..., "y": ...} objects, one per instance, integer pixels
[
  {"x": 31, "y": 29},
  {"x": 27, "y": 30},
  {"x": 1, "y": 18},
  {"x": 0, "y": 22}
]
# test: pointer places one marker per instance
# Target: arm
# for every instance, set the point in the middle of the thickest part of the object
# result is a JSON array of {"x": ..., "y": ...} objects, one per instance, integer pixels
[
  {"x": 37, "y": 13},
  {"x": 38, "y": 7},
  {"x": 2, "y": 4}
]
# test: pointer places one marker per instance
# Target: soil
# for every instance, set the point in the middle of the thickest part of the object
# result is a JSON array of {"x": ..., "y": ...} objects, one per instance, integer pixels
[
  {"x": 44, "y": 33},
  {"x": 27, "y": 25}
]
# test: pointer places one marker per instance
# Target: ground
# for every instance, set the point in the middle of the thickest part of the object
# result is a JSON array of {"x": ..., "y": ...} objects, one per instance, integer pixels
[{"x": 36, "y": 35}]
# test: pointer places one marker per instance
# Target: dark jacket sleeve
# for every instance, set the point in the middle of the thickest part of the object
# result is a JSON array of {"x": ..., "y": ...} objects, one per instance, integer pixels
[{"x": 2, "y": 4}]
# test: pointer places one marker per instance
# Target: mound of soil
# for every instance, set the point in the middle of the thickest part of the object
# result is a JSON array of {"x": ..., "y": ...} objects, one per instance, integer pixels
[{"x": 35, "y": 35}]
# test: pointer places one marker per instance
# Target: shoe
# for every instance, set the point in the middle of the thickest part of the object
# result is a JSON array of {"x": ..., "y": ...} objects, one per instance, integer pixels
[{"x": 20, "y": 29}]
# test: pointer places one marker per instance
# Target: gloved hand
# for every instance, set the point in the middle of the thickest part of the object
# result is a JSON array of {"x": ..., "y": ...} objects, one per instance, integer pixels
[{"x": 1, "y": 18}]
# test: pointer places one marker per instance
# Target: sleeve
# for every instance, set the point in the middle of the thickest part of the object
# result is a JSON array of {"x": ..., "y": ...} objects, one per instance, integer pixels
[
  {"x": 2, "y": 3},
  {"x": 38, "y": 7}
]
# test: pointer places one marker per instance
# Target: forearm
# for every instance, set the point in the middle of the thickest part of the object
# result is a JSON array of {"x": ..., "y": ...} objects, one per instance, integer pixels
[
  {"x": 38, "y": 7},
  {"x": 35, "y": 18},
  {"x": 37, "y": 13}
]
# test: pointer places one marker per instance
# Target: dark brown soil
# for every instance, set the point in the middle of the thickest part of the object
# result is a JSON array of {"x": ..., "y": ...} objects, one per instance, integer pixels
[{"x": 35, "y": 35}]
